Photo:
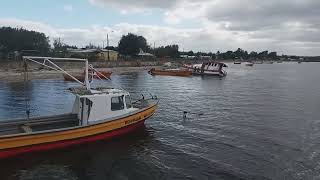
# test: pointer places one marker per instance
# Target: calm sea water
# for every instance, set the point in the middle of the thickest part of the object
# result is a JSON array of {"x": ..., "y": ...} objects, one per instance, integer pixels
[{"x": 259, "y": 122}]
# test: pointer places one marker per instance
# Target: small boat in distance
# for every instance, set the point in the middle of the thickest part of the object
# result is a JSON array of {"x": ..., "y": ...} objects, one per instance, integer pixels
[
  {"x": 237, "y": 60},
  {"x": 210, "y": 68},
  {"x": 249, "y": 63},
  {"x": 97, "y": 114},
  {"x": 258, "y": 62},
  {"x": 268, "y": 62},
  {"x": 170, "y": 72}
]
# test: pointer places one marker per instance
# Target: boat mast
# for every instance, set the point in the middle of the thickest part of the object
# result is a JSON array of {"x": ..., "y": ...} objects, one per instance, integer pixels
[{"x": 86, "y": 78}]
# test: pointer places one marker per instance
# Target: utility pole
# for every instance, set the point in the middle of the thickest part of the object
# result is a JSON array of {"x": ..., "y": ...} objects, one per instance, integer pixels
[{"x": 108, "y": 47}]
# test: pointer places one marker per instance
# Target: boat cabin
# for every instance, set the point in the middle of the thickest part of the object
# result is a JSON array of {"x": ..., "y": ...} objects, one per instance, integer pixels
[
  {"x": 96, "y": 105},
  {"x": 209, "y": 68}
]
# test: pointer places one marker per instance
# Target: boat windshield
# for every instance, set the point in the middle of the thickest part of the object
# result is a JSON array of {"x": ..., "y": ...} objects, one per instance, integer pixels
[
  {"x": 117, "y": 103},
  {"x": 128, "y": 102}
]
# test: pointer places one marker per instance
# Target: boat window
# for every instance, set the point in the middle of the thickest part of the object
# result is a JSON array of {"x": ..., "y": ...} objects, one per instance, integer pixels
[
  {"x": 128, "y": 102},
  {"x": 117, "y": 103}
]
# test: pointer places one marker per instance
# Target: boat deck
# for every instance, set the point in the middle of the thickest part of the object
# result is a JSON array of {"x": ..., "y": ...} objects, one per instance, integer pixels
[{"x": 17, "y": 126}]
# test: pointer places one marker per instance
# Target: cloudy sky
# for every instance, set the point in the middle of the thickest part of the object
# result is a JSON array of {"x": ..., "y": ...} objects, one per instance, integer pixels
[{"x": 285, "y": 26}]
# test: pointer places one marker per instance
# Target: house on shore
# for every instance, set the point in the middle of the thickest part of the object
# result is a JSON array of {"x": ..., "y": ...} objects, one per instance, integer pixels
[
  {"x": 187, "y": 57},
  {"x": 145, "y": 55},
  {"x": 94, "y": 54}
]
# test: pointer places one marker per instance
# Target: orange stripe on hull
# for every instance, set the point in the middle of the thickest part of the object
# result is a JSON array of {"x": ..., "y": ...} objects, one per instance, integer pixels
[
  {"x": 22, "y": 143},
  {"x": 24, "y": 140},
  {"x": 60, "y": 144}
]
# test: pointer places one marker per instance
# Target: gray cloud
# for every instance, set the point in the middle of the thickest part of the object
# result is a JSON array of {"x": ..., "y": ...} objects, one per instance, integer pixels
[
  {"x": 136, "y": 5},
  {"x": 286, "y": 26},
  {"x": 250, "y": 15},
  {"x": 279, "y": 20}
]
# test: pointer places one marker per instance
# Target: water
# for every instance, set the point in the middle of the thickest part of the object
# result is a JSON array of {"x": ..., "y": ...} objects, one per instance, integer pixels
[{"x": 259, "y": 122}]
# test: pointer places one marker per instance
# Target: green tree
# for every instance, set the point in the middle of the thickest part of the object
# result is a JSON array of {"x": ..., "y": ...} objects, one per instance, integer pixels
[
  {"x": 253, "y": 55},
  {"x": 273, "y": 55},
  {"x": 263, "y": 55},
  {"x": 17, "y": 39},
  {"x": 131, "y": 44},
  {"x": 168, "y": 51},
  {"x": 60, "y": 49},
  {"x": 190, "y": 53}
]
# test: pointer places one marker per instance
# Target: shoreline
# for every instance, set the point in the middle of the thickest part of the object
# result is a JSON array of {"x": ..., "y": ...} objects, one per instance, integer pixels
[{"x": 18, "y": 75}]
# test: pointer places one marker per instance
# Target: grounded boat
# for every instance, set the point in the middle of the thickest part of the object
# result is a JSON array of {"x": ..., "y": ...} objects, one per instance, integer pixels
[
  {"x": 208, "y": 68},
  {"x": 102, "y": 75},
  {"x": 97, "y": 113},
  {"x": 268, "y": 62},
  {"x": 79, "y": 77},
  {"x": 170, "y": 72}
]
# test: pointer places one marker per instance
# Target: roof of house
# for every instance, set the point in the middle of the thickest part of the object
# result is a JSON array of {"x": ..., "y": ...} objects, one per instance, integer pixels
[
  {"x": 89, "y": 50},
  {"x": 141, "y": 53},
  {"x": 144, "y": 54}
]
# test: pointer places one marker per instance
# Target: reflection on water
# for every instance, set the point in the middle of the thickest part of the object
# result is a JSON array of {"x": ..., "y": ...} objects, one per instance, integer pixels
[{"x": 259, "y": 122}]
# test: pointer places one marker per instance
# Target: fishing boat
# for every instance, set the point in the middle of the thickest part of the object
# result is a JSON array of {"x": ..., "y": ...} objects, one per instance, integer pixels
[
  {"x": 97, "y": 113},
  {"x": 170, "y": 72},
  {"x": 208, "y": 68},
  {"x": 102, "y": 75},
  {"x": 80, "y": 77},
  {"x": 237, "y": 60},
  {"x": 268, "y": 62}
]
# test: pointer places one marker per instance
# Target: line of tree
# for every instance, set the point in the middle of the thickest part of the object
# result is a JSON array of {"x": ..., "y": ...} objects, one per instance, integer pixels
[
  {"x": 18, "y": 39},
  {"x": 171, "y": 51},
  {"x": 237, "y": 54}
]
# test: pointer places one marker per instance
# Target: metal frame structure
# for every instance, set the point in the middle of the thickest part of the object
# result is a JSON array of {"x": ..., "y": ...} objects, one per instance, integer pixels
[{"x": 47, "y": 62}]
